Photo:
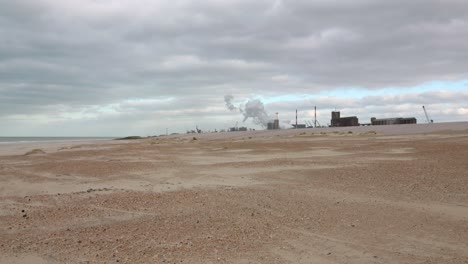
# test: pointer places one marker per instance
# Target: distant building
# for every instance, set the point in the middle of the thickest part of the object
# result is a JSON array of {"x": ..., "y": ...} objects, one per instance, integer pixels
[
  {"x": 299, "y": 125},
  {"x": 273, "y": 124},
  {"x": 235, "y": 129},
  {"x": 338, "y": 121},
  {"x": 393, "y": 121}
]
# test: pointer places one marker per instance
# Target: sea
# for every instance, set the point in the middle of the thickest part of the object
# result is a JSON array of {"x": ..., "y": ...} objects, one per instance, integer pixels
[{"x": 19, "y": 140}]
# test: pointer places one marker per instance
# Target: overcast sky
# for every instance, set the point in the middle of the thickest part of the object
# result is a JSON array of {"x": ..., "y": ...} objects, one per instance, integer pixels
[{"x": 124, "y": 67}]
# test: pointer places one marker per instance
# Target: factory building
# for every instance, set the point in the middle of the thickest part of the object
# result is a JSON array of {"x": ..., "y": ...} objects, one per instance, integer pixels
[
  {"x": 393, "y": 121},
  {"x": 338, "y": 121},
  {"x": 234, "y": 129},
  {"x": 273, "y": 124},
  {"x": 299, "y": 126}
]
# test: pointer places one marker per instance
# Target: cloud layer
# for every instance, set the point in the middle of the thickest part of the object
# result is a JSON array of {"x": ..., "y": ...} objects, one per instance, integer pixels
[{"x": 154, "y": 64}]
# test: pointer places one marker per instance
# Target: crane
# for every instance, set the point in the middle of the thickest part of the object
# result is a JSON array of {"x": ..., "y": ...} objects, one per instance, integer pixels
[
  {"x": 310, "y": 124},
  {"x": 429, "y": 121}
]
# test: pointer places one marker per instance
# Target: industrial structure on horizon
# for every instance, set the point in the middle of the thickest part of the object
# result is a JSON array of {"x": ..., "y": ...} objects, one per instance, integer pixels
[
  {"x": 393, "y": 121},
  {"x": 273, "y": 124},
  {"x": 337, "y": 121},
  {"x": 255, "y": 109}
]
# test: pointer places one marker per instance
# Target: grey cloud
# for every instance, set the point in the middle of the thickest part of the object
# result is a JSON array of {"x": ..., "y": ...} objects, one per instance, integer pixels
[
  {"x": 98, "y": 53},
  {"x": 432, "y": 97}
]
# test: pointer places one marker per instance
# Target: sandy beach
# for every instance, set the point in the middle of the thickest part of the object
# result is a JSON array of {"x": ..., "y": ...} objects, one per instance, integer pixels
[{"x": 381, "y": 194}]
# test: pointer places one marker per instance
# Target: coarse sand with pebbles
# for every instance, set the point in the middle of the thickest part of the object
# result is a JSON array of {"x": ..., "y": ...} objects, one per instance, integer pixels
[{"x": 386, "y": 194}]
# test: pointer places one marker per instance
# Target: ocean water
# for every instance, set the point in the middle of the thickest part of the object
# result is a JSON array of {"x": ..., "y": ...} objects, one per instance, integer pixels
[{"x": 18, "y": 140}]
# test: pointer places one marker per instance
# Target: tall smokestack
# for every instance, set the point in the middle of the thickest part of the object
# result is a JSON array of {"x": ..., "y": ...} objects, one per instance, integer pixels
[
  {"x": 315, "y": 116},
  {"x": 296, "y": 118}
]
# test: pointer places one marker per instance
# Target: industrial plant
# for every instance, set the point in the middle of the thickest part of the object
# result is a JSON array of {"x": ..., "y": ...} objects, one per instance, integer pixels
[
  {"x": 255, "y": 110},
  {"x": 273, "y": 124},
  {"x": 393, "y": 121},
  {"x": 337, "y": 121}
]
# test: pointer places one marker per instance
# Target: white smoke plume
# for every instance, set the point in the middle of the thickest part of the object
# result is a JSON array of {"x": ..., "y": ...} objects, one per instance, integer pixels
[
  {"x": 228, "y": 100},
  {"x": 253, "y": 109}
]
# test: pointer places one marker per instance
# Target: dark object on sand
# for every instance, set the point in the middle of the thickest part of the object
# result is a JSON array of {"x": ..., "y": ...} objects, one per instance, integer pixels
[
  {"x": 34, "y": 152},
  {"x": 128, "y": 138}
]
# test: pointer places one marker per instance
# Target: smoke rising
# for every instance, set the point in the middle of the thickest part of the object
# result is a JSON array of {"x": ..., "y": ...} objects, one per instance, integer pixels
[
  {"x": 228, "y": 100},
  {"x": 254, "y": 109}
]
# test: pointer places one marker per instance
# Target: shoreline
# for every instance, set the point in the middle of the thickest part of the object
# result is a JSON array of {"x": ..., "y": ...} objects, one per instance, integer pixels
[{"x": 21, "y": 148}]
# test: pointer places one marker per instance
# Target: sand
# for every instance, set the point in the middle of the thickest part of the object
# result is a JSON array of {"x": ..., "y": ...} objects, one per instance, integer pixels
[{"x": 387, "y": 194}]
